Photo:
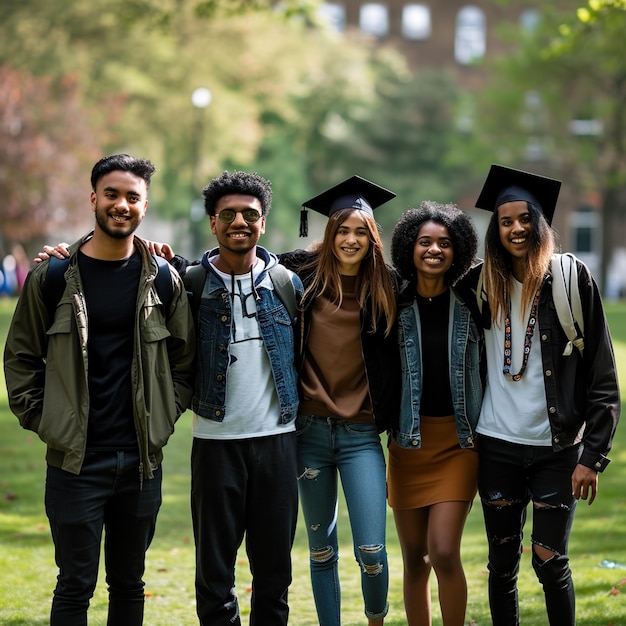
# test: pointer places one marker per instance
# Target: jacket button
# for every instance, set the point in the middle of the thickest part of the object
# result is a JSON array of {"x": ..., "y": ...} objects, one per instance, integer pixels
[
  {"x": 548, "y": 372},
  {"x": 544, "y": 337},
  {"x": 556, "y": 440},
  {"x": 598, "y": 465},
  {"x": 224, "y": 318},
  {"x": 218, "y": 413},
  {"x": 552, "y": 410},
  {"x": 415, "y": 442},
  {"x": 470, "y": 440},
  {"x": 219, "y": 378}
]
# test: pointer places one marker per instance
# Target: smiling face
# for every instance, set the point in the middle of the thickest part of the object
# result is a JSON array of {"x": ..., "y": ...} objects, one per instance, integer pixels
[
  {"x": 351, "y": 243},
  {"x": 119, "y": 202},
  {"x": 433, "y": 253},
  {"x": 515, "y": 227},
  {"x": 239, "y": 237}
]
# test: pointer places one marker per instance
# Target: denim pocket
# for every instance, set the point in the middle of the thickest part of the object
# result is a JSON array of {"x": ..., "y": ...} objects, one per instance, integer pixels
[
  {"x": 303, "y": 422},
  {"x": 359, "y": 428}
]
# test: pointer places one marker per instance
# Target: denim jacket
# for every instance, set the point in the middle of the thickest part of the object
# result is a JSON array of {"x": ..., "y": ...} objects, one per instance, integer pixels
[
  {"x": 465, "y": 345},
  {"x": 214, "y": 322}
]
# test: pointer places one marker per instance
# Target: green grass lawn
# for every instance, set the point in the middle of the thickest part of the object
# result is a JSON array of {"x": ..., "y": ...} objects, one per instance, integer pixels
[{"x": 27, "y": 569}]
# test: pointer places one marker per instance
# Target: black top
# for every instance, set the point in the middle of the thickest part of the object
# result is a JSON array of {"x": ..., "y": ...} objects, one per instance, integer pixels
[
  {"x": 111, "y": 296},
  {"x": 436, "y": 398}
]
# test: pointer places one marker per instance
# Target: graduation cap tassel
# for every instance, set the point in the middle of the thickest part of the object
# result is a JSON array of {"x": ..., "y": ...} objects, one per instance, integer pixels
[{"x": 304, "y": 225}]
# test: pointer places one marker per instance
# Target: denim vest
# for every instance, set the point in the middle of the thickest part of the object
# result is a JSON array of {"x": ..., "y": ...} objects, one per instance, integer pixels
[
  {"x": 214, "y": 322},
  {"x": 464, "y": 351}
]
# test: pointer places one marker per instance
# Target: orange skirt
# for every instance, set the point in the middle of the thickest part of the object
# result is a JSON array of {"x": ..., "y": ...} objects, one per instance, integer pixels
[{"x": 439, "y": 471}]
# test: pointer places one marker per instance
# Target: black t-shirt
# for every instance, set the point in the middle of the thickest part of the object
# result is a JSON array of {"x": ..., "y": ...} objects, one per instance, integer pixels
[
  {"x": 111, "y": 296},
  {"x": 436, "y": 398}
]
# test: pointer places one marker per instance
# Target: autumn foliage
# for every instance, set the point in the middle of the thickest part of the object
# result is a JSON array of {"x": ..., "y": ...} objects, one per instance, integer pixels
[{"x": 45, "y": 143}]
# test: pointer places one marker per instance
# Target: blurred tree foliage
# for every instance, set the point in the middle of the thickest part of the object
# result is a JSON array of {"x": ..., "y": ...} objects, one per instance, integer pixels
[
  {"x": 46, "y": 138},
  {"x": 558, "y": 104},
  {"x": 300, "y": 105}
]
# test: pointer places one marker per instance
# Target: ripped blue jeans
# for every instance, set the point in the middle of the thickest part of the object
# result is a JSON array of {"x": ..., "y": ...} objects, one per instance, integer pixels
[
  {"x": 328, "y": 448},
  {"x": 510, "y": 476}
]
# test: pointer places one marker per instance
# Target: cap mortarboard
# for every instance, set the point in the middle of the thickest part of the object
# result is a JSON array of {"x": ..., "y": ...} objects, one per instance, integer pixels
[
  {"x": 505, "y": 184},
  {"x": 354, "y": 192}
]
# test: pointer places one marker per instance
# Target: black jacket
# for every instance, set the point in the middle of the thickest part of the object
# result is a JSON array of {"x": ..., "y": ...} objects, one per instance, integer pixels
[
  {"x": 381, "y": 354},
  {"x": 582, "y": 393}
]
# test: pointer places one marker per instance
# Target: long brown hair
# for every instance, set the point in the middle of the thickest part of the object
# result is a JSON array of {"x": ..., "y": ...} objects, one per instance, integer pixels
[
  {"x": 498, "y": 268},
  {"x": 374, "y": 285}
]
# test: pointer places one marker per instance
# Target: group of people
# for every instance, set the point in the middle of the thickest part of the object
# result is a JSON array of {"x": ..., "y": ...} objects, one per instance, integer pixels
[{"x": 293, "y": 366}]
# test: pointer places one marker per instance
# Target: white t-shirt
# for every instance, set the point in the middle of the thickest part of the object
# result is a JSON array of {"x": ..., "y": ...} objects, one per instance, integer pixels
[
  {"x": 515, "y": 410},
  {"x": 252, "y": 407}
]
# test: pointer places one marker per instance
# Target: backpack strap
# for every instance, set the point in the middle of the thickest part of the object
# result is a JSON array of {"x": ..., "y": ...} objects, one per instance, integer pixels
[
  {"x": 567, "y": 301},
  {"x": 194, "y": 278},
  {"x": 163, "y": 282},
  {"x": 54, "y": 284},
  {"x": 281, "y": 279},
  {"x": 286, "y": 292}
]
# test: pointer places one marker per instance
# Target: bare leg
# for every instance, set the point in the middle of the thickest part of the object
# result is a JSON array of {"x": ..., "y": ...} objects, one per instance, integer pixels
[
  {"x": 412, "y": 527},
  {"x": 445, "y": 527}
]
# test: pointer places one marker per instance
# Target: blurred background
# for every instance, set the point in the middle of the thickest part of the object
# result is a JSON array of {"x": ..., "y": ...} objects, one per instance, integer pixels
[{"x": 420, "y": 97}]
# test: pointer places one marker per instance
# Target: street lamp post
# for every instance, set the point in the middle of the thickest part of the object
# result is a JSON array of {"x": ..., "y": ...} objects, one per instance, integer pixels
[{"x": 200, "y": 98}]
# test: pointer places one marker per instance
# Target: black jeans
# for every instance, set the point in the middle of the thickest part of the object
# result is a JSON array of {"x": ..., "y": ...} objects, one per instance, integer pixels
[
  {"x": 106, "y": 494},
  {"x": 244, "y": 487},
  {"x": 510, "y": 476}
]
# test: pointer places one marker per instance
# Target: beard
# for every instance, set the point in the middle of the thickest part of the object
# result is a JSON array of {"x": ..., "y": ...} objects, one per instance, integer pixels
[{"x": 117, "y": 231}]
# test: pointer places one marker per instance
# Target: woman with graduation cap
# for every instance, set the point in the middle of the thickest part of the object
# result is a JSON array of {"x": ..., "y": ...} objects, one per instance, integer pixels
[
  {"x": 350, "y": 378},
  {"x": 548, "y": 415}
]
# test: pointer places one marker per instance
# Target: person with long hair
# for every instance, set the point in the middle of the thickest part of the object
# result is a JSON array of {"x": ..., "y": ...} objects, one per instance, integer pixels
[
  {"x": 433, "y": 460},
  {"x": 549, "y": 413},
  {"x": 349, "y": 388}
]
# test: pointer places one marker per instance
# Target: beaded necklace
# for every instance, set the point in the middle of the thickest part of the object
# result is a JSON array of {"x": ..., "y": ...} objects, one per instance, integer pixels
[{"x": 530, "y": 329}]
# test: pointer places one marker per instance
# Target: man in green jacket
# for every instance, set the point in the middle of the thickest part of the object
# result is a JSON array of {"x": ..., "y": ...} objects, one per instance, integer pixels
[{"x": 102, "y": 379}]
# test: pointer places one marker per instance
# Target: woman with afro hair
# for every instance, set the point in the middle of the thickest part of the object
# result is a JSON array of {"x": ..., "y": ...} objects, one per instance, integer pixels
[{"x": 433, "y": 462}]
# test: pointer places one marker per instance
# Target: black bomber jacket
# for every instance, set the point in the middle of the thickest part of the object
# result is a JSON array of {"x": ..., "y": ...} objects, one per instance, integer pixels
[{"x": 582, "y": 393}]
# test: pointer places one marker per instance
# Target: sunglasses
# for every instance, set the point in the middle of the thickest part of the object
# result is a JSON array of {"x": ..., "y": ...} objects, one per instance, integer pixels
[{"x": 227, "y": 216}]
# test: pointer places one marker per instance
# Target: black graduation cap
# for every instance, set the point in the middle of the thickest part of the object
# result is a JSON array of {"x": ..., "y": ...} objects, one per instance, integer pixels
[
  {"x": 505, "y": 184},
  {"x": 353, "y": 193}
]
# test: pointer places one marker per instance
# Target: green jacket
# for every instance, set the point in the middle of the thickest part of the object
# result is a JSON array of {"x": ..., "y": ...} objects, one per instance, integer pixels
[{"x": 45, "y": 364}]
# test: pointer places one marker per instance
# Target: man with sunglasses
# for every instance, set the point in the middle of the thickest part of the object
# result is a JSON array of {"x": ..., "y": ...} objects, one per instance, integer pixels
[{"x": 243, "y": 461}]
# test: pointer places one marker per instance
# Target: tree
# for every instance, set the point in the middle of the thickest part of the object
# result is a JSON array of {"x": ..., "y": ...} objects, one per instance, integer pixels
[
  {"x": 45, "y": 141},
  {"x": 302, "y": 106},
  {"x": 571, "y": 68},
  {"x": 591, "y": 50}
]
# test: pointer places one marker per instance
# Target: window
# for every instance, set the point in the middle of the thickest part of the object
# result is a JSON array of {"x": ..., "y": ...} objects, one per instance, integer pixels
[
  {"x": 534, "y": 122},
  {"x": 588, "y": 128},
  {"x": 333, "y": 15},
  {"x": 469, "y": 41},
  {"x": 374, "y": 19},
  {"x": 529, "y": 20},
  {"x": 584, "y": 223},
  {"x": 416, "y": 21}
]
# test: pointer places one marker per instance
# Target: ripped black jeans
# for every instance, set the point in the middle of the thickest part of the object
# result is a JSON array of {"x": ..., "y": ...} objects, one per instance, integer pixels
[{"x": 510, "y": 476}]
